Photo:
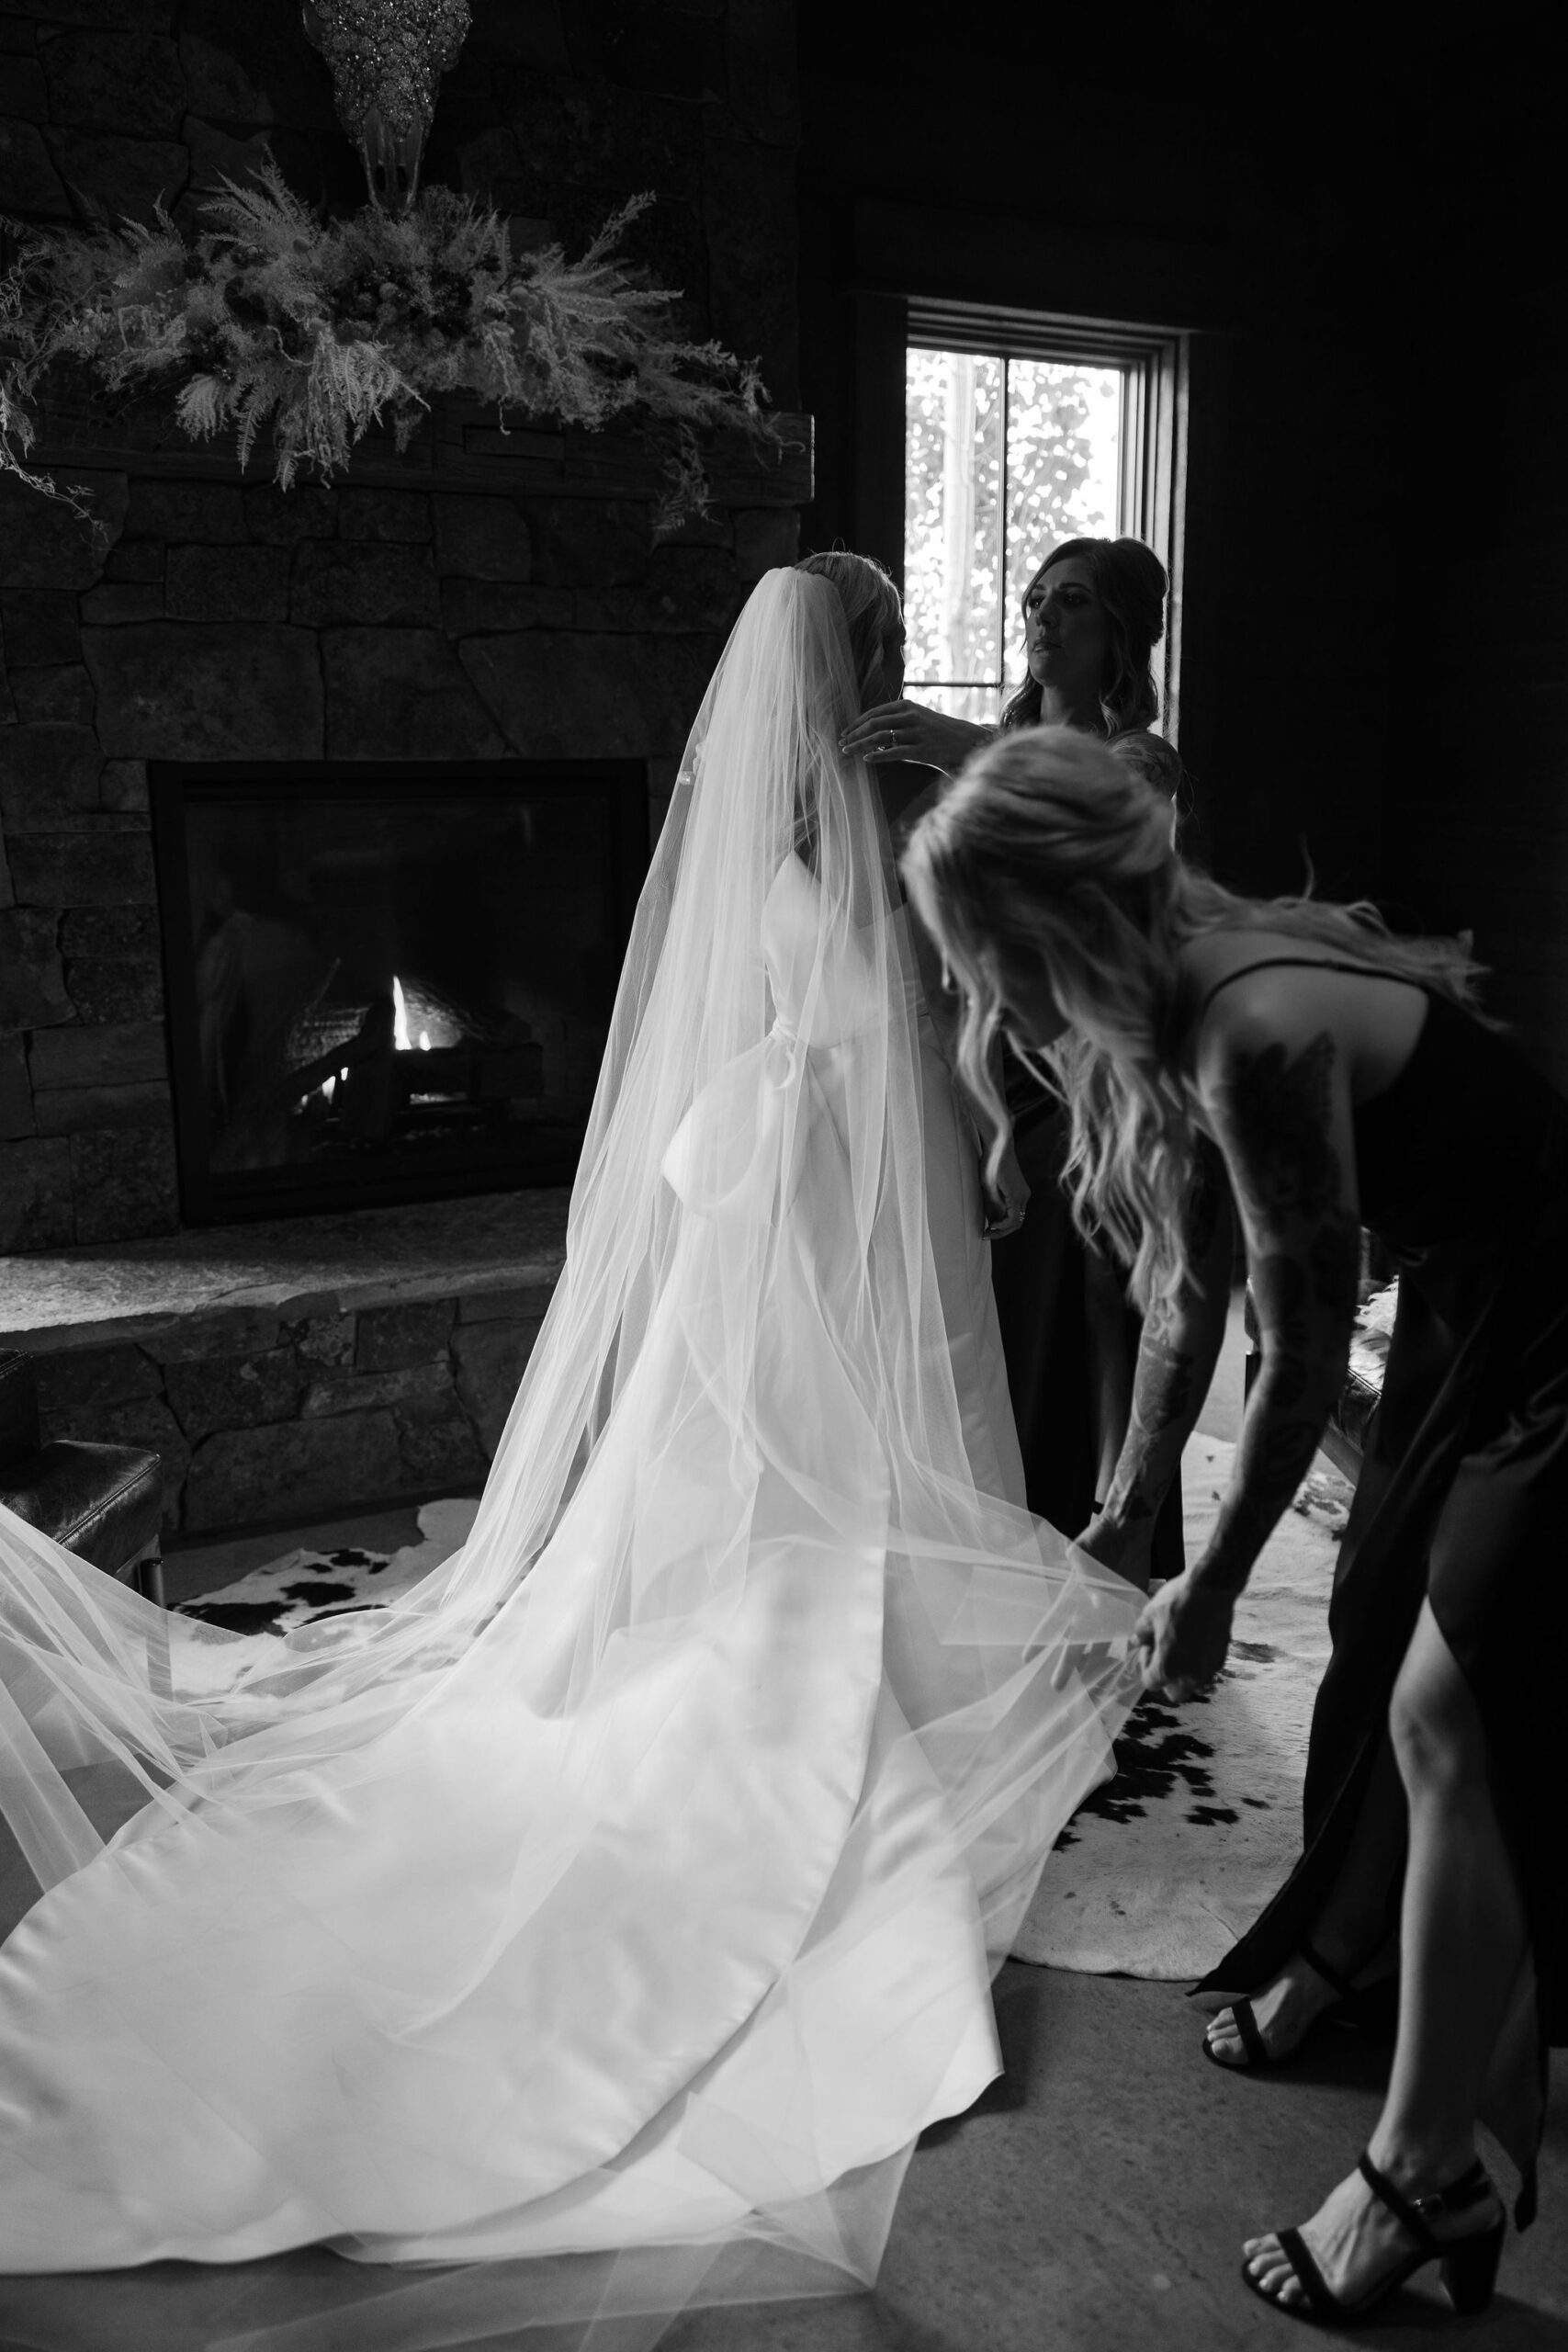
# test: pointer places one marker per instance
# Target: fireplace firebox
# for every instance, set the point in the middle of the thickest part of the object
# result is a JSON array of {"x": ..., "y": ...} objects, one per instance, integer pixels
[{"x": 389, "y": 982}]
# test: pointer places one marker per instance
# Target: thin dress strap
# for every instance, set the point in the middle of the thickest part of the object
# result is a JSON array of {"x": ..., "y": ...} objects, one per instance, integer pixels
[{"x": 1318, "y": 963}]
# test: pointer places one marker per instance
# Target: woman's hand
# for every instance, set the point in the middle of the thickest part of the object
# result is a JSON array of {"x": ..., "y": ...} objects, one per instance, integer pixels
[
  {"x": 1124, "y": 1546},
  {"x": 908, "y": 730},
  {"x": 1184, "y": 1634},
  {"x": 1007, "y": 1198}
]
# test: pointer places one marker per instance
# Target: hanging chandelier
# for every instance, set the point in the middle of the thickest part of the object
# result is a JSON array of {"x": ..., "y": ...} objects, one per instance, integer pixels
[{"x": 387, "y": 58}]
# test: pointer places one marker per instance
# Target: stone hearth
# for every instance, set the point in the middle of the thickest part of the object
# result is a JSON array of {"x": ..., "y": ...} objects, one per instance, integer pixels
[{"x": 301, "y": 1367}]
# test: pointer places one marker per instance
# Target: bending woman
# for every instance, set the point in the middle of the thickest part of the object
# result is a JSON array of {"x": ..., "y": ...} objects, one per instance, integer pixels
[
  {"x": 1337, "y": 1075},
  {"x": 627, "y": 1891}
]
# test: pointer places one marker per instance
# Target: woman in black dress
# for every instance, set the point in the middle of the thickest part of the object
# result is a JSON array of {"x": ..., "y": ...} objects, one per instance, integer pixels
[
  {"x": 1093, "y": 614},
  {"x": 1337, "y": 1076}
]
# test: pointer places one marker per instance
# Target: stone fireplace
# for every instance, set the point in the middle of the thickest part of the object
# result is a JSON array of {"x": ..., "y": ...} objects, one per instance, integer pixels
[
  {"x": 418, "y": 617},
  {"x": 487, "y": 623},
  {"x": 388, "y": 981},
  {"x": 489, "y": 602},
  {"x": 487, "y": 626}
]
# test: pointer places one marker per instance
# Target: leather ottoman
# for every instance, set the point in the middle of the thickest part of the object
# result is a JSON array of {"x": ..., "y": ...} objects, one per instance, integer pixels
[{"x": 103, "y": 1502}]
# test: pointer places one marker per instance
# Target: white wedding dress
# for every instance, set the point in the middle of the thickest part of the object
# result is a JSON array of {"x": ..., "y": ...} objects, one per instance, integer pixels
[{"x": 608, "y": 1919}]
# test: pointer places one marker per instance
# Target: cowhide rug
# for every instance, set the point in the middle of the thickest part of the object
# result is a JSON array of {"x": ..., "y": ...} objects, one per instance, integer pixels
[
  {"x": 304, "y": 1585},
  {"x": 1163, "y": 1867}
]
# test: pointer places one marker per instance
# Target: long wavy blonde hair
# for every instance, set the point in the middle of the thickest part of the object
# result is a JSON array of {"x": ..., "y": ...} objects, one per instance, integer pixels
[{"x": 1049, "y": 849}]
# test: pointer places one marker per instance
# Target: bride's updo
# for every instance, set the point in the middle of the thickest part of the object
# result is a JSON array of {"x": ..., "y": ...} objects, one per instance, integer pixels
[{"x": 871, "y": 609}]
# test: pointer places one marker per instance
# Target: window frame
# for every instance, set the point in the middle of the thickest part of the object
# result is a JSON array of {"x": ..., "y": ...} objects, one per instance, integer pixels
[{"x": 1153, "y": 362}]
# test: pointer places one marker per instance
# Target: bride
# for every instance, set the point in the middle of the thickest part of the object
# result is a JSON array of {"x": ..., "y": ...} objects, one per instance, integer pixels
[{"x": 626, "y": 1897}]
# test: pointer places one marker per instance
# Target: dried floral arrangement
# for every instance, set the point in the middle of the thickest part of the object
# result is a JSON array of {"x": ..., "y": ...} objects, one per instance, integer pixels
[{"x": 321, "y": 328}]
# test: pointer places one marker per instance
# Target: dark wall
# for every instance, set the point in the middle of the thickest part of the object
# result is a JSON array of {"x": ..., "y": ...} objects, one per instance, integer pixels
[
  {"x": 1478, "y": 764},
  {"x": 1354, "y": 220}
]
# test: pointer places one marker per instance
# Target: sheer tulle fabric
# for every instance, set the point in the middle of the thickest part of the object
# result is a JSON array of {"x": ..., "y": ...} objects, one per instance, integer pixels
[{"x": 624, "y": 1899}]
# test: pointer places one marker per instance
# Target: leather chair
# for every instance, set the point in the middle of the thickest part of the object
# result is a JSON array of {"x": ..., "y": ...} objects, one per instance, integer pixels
[{"x": 103, "y": 1502}]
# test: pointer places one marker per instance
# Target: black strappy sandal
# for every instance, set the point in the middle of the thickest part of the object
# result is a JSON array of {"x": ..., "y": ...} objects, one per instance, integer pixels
[
  {"x": 1469, "y": 2266},
  {"x": 1246, "y": 2016}
]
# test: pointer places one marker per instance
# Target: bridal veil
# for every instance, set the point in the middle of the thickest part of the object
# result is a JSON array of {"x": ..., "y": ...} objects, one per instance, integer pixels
[{"x": 599, "y": 1924}]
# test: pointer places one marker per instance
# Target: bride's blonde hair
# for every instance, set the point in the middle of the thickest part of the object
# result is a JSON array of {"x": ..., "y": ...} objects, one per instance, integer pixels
[
  {"x": 874, "y": 611},
  {"x": 1051, "y": 849}
]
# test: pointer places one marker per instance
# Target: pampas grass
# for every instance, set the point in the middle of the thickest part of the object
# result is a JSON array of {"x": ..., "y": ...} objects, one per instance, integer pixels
[{"x": 317, "y": 330}]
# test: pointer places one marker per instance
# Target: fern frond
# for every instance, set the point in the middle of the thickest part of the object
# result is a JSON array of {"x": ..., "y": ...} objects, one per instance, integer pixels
[
  {"x": 324, "y": 327},
  {"x": 687, "y": 495},
  {"x": 201, "y": 407}
]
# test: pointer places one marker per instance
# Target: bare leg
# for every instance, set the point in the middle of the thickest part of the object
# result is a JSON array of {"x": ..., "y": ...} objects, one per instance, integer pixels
[
  {"x": 1463, "y": 1945},
  {"x": 1464, "y": 1924},
  {"x": 1351, "y": 1931}
]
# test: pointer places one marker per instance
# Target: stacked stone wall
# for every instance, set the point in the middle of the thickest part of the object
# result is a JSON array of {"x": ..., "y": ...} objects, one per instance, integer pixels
[
  {"x": 261, "y": 1417},
  {"x": 241, "y": 622},
  {"x": 487, "y": 594}
]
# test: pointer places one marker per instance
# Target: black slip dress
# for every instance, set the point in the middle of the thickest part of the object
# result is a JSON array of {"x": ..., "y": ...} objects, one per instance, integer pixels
[{"x": 1462, "y": 1499}]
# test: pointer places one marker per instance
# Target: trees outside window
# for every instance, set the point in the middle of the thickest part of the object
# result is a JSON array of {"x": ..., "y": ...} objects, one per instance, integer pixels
[{"x": 1005, "y": 457}]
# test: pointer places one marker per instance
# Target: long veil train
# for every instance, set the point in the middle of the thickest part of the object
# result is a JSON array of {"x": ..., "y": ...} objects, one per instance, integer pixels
[{"x": 603, "y": 1921}]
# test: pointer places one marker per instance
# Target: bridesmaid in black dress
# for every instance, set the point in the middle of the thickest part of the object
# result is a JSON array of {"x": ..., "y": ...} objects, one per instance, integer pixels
[
  {"x": 1092, "y": 615},
  {"x": 1338, "y": 1076}
]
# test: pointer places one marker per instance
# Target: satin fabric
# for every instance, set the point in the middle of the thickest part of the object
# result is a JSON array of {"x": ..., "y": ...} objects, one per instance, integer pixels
[{"x": 633, "y": 1895}]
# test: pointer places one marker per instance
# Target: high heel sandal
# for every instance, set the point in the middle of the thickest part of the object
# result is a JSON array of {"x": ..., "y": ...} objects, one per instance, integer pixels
[
  {"x": 1468, "y": 2266},
  {"x": 1258, "y": 2051}
]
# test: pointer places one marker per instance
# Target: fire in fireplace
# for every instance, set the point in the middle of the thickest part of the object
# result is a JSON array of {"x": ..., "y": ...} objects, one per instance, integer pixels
[{"x": 389, "y": 983}]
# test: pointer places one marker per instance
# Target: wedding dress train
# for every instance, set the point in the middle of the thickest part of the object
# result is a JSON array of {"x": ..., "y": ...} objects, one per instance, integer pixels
[{"x": 629, "y": 1893}]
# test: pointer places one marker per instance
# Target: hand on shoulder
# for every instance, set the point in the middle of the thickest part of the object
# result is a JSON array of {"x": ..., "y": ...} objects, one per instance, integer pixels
[{"x": 908, "y": 730}]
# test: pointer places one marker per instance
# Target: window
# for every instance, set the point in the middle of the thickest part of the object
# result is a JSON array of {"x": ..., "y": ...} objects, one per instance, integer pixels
[{"x": 1019, "y": 431}]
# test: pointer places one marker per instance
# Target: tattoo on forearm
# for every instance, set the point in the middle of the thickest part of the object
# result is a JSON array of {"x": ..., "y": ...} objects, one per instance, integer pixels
[
  {"x": 1161, "y": 1384},
  {"x": 1130, "y": 1500},
  {"x": 1284, "y": 1456},
  {"x": 1279, "y": 1124},
  {"x": 1279, "y": 1295},
  {"x": 1281, "y": 1114},
  {"x": 1180, "y": 1344},
  {"x": 1271, "y": 1466}
]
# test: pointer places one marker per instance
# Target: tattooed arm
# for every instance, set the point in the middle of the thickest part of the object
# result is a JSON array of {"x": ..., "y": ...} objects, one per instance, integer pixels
[
  {"x": 1277, "y": 1095},
  {"x": 1176, "y": 1354}
]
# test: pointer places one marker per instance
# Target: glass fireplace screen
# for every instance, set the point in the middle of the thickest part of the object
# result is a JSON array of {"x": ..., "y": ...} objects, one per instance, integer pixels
[{"x": 390, "y": 983}]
